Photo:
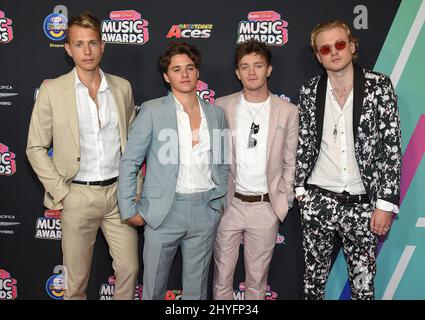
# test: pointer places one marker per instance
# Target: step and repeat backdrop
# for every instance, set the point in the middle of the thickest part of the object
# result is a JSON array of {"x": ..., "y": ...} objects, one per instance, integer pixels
[{"x": 136, "y": 33}]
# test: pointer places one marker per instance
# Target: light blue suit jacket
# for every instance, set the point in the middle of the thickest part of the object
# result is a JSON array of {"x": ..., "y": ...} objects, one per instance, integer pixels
[{"x": 149, "y": 139}]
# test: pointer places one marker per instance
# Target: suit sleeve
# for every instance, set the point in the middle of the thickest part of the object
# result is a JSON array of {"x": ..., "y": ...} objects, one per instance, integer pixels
[
  {"x": 289, "y": 156},
  {"x": 139, "y": 139},
  {"x": 132, "y": 106},
  {"x": 224, "y": 165},
  {"x": 304, "y": 139},
  {"x": 390, "y": 137},
  {"x": 40, "y": 136}
]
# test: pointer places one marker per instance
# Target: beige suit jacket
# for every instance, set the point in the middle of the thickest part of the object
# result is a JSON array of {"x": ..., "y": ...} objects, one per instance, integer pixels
[
  {"x": 282, "y": 144},
  {"x": 54, "y": 120}
]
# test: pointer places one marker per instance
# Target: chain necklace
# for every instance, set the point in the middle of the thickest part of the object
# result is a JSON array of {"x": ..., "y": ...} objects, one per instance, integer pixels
[
  {"x": 340, "y": 95},
  {"x": 335, "y": 131},
  {"x": 258, "y": 111},
  {"x": 255, "y": 128}
]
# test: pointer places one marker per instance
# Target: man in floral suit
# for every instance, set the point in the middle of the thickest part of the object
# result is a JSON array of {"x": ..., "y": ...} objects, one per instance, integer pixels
[{"x": 347, "y": 178}]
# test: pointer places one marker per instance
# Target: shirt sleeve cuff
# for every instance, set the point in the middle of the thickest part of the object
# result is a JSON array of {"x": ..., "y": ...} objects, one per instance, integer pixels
[
  {"x": 299, "y": 191},
  {"x": 386, "y": 206}
]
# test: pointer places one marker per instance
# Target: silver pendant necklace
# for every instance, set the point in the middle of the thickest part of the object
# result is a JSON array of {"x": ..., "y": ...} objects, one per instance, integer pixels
[
  {"x": 335, "y": 130},
  {"x": 340, "y": 95},
  {"x": 255, "y": 128}
]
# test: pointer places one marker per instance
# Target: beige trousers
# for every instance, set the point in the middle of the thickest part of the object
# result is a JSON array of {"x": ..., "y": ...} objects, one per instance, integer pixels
[
  {"x": 258, "y": 225},
  {"x": 86, "y": 208}
]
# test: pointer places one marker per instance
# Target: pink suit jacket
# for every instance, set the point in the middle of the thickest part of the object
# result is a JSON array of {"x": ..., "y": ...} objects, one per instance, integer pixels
[{"x": 282, "y": 144}]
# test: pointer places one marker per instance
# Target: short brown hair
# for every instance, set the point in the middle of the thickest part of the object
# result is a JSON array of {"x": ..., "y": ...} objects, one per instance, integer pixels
[
  {"x": 86, "y": 20},
  {"x": 175, "y": 48},
  {"x": 331, "y": 24},
  {"x": 252, "y": 46}
]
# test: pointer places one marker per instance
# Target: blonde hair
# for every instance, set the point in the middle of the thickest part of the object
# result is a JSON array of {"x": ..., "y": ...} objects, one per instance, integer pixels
[
  {"x": 331, "y": 24},
  {"x": 86, "y": 20}
]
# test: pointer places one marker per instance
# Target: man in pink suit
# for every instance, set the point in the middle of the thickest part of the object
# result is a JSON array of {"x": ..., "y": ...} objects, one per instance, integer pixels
[{"x": 262, "y": 154}]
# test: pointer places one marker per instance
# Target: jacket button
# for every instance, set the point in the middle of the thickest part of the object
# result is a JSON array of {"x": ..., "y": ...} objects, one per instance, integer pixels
[{"x": 78, "y": 159}]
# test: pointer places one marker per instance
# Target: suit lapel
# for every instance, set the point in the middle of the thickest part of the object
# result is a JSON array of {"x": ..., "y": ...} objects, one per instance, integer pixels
[
  {"x": 212, "y": 124},
  {"x": 358, "y": 97},
  {"x": 120, "y": 108},
  {"x": 216, "y": 151},
  {"x": 233, "y": 105},
  {"x": 273, "y": 120},
  {"x": 170, "y": 120},
  {"x": 320, "y": 107},
  {"x": 71, "y": 107}
]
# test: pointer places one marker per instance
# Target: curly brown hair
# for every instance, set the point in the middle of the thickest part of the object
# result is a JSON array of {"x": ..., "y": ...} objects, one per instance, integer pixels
[{"x": 175, "y": 48}]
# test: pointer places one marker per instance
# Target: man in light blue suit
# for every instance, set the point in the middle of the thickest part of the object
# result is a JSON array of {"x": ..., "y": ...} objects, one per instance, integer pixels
[{"x": 182, "y": 138}]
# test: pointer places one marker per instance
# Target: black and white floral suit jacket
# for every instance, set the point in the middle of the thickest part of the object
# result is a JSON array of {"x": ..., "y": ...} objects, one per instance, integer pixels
[{"x": 376, "y": 126}]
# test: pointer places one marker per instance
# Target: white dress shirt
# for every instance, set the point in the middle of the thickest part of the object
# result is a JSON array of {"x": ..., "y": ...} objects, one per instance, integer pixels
[
  {"x": 251, "y": 163},
  {"x": 100, "y": 148},
  {"x": 336, "y": 167},
  {"x": 194, "y": 162}
]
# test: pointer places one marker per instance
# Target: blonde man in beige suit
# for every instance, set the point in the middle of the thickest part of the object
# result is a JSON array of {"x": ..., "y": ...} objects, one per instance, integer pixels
[
  {"x": 262, "y": 167},
  {"x": 85, "y": 114}
]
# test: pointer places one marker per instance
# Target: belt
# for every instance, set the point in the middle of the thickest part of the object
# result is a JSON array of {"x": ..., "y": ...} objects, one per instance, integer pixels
[
  {"x": 344, "y": 197},
  {"x": 97, "y": 183},
  {"x": 259, "y": 198}
]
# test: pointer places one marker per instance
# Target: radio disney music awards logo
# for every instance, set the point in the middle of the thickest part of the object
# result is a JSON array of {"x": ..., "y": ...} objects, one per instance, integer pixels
[
  {"x": 106, "y": 291},
  {"x": 55, "y": 285},
  {"x": 6, "y": 222},
  {"x": 49, "y": 226},
  {"x": 6, "y": 94},
  {"x": 280, "y": 239},
  {"x": 8, "y": 286},
  {"x": 6, "y": 31},
  {"x": 7, "y": 161},
  {"x": 239, "y": 294},
  {"x": 125, "y": 27},
  {"x": 205, "y": 93},
  {"x": 264, "y": 26},
  {"x": 55, "y": 25},
  {"x": 173, "y": 294},
  {"x": 194, "y": 31}
]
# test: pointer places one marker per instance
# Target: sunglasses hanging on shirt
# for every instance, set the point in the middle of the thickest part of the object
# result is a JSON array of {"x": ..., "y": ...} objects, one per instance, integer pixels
[
  {"x": 252, "y": 142},
  {"x": 255, "y": 128}
]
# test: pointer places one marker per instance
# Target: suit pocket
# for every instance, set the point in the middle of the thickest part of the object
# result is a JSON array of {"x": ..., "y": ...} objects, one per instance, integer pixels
[
  {"x": 67, "y": 202},
  {"x": 152, "y": 192},
  {"x": 143, "y": 206},
  {"x": 280, "y": 126},
  {"x": 281, "y": 130}
]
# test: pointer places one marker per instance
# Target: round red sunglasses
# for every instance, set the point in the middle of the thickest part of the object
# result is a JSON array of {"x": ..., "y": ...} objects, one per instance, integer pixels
[{"x": 338, "y": 45}]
